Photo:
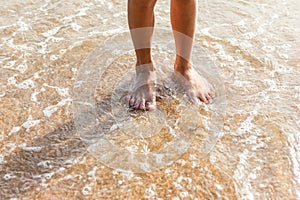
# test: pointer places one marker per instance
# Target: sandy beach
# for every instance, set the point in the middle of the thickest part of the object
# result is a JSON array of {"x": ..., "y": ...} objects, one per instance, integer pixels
[{"x": 254, "y": 46}]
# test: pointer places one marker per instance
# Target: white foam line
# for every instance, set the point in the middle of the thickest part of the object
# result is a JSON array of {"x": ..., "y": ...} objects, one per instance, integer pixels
[
  {"x": 241, "y": 176},
  {"x": 294, "y": 149},
  {"x": 26, "y": 84},
  {"x": 30, "y": 123},
  {"x": 14, "y": 130},
  {"x": 52, "y": 109},
  {"x": 30, "y": 148},
  {"x": 92, "y": 177},
  {"x": 51, "y": 32},
  {"x": 113, "y": 32},
  {"x": 64, "y": 92}
]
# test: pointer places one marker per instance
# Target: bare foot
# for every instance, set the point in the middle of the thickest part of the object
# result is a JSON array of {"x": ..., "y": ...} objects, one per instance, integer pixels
[
  {"x": 142, "y": 95},
  {"x": 198, "y": 88}
]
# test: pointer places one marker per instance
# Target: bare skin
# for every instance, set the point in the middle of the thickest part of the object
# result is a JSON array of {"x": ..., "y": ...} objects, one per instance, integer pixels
[
  {"x": 183, "y": 19},
  {"x": 196, "y": 86},
  {"x": 143, "y": 92}
]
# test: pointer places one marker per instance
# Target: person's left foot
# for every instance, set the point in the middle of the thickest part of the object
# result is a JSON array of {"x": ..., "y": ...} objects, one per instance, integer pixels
[{"x": 197, "y": 87}]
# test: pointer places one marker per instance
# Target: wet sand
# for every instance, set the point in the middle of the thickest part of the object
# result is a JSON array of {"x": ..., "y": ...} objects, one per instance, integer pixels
[{"x": 255, "y": 47}]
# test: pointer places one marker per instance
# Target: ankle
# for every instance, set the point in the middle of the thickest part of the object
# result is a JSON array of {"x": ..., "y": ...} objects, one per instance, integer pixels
[
  {"x": 144, "y": 67},
  {"x": 181, "y": 65},
  {"x": 182, "y": 68}
]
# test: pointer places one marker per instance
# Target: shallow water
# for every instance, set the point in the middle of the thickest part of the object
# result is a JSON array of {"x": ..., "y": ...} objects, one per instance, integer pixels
[{"x": 255, "y": 47}]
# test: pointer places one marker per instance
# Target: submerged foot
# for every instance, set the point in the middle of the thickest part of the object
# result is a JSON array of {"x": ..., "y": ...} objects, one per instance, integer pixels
[
  {"x": 142, "y": 94},
  {"x": 197, "y": 87}
]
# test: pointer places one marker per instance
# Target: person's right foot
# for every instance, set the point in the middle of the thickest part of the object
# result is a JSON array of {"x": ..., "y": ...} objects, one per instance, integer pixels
[{"x": 142, "y": 95}]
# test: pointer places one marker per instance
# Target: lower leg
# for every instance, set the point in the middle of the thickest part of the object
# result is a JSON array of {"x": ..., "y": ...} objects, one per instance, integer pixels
[
  {"x": 141, "y": 24},
  {"x": 183, "y": 18}
]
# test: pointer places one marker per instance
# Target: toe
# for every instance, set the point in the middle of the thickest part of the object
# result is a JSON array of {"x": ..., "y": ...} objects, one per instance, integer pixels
[
  {"x": 150, "y": 105},
  {"x": 131, "y": 101},
  {"x": 208, "y": 96},
  {"x": 213, "y": 94},
  {"x": 203, "y": 98},
  {"x": 194, "y": 100},
  {"x": 142, "y": 104},
  {"x": 137, "y": 104}
]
